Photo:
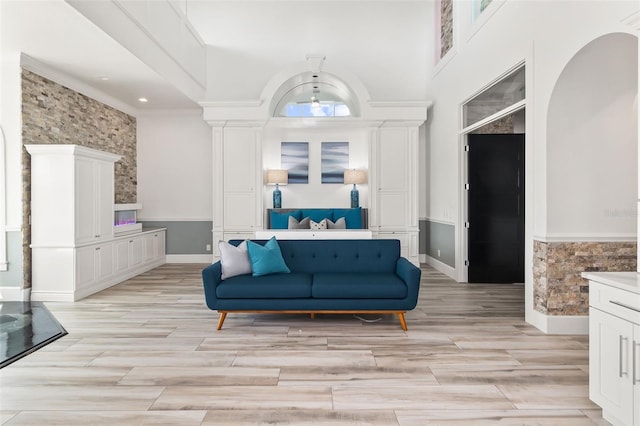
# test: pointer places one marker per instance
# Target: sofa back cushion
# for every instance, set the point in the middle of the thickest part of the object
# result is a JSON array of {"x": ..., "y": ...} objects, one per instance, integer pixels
[{"x": 313, "y": 256}]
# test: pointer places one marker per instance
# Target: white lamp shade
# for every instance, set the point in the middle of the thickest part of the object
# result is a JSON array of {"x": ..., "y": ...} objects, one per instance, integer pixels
[
  {"x": 278, "y": 176},
  {"x": 355, "y": 176}
]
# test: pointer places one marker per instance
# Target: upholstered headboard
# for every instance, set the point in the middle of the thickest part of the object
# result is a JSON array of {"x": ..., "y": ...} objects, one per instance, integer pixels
[{"x": 364, "y": 214}]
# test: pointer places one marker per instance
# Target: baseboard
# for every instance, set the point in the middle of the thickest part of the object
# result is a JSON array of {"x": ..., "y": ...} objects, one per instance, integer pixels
[
  {"x": 558, "y": 324},
  {"x": 15, "y": 294},
  {"x": 189, "y": 258},
  {"x": 439, "y": 266}
]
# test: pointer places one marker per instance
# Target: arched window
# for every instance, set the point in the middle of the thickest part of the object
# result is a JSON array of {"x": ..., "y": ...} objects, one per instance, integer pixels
[{"x": 315, "y": 95}]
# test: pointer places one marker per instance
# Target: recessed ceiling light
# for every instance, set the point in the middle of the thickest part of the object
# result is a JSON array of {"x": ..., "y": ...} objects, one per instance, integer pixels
[
  {"x": 143, "y": 100},
  {"x": 103, "y": 77}
]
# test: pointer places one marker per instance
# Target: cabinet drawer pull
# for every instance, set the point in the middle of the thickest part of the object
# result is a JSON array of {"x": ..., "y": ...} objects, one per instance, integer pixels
[
  {"x": 623, "y": 349},
  {"x": 624, "y": 305}
]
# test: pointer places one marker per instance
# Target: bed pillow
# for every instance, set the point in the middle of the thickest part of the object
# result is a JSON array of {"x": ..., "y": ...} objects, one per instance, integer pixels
[
  {"x": 234, "y": 260},
  {"x": 341, "y": 223},
  {"x": 318, "y": 226},
  {"x": 294, "y": 224},
  {"x": 266, "y": 259},
  {"x": 281, "y": 220}
]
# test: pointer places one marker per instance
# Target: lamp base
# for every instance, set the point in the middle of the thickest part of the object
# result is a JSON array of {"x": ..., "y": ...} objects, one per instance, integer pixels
[
  {"x": 277, "y": 198},
  {"x": 355, "y": 197}
]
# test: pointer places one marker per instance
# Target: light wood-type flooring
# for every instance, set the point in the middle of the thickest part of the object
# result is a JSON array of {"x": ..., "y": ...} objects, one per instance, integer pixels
[{"x": 147, "y": 352}]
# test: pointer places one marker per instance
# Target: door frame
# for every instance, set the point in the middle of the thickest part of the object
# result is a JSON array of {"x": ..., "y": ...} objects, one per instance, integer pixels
[{"x": 461, "y": 233}]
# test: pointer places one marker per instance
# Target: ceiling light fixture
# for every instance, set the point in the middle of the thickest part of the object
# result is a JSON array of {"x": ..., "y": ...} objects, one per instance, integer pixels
[
  {"x": 103, "y": 77},
  {"x": 143, "y": 100}
]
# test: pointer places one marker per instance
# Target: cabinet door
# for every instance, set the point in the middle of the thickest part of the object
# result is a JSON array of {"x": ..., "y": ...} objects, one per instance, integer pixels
[
  {"x": 121, "y": 252},
  {"x": 610, "y": 365},
  {"x": 149, "y": 247},
  {"x": 104, "y": 199},
  {"x": 85, "y": 266},
  {"x": 135, "y": 251},
  {"x": 160, "y": 245},
  {"x": 85, "y": 182},
  {"x": 393, "y": 179},
  {"x": 104, "y": 261},
  {"x": 636, "y": 387}
]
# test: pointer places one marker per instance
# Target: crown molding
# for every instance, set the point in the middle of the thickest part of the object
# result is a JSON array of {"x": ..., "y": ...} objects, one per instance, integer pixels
[{"x": 57, "y": 76}]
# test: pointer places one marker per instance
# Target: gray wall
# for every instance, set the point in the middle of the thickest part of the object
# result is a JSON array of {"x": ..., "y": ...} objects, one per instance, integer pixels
[
  {"x": 186, "y": 237},
  {"x": 436, "y": 236},
  {"x": 13, "y": 276}
]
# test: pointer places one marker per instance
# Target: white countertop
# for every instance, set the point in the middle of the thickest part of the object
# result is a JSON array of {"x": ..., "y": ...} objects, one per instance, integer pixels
[{"x": 629, "y": 281}]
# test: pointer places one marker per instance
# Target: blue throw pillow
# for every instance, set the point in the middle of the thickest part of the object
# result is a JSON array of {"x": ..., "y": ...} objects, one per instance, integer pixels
[
  {"x": 266, "y": 259},
  {"x": 281, "y": 220},
  {"x": 353, "y": 217},
  {"x": 317, "y": 215}
]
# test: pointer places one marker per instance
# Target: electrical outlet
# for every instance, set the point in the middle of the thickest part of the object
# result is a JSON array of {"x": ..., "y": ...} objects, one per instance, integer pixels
[
  {"x": 438, "y": 252},
  {"x": 208, "y": 247}
]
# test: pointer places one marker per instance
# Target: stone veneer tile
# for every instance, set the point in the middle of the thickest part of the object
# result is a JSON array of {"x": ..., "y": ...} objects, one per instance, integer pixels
[
  {"x": 558, "y": 288},
  {"x": 54, "y": 114},
  {"x": 446, "y": 26}
]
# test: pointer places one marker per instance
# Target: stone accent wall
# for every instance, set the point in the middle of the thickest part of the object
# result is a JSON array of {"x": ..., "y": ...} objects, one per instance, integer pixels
[
  {"x": 501, "y": 126},
  {"x": 446, "y": 26},
  {"x": 558, "y": 288},
  {"x": 54, "y": 114}
]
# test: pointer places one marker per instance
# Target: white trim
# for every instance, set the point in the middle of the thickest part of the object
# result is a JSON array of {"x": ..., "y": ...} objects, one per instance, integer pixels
[
  {"x": 494, "y": 117},
  {"x": 190, "y": 258},
  {"x": 174, "y": 219},
  {"x": 15, "y": 294},
  {"x": 4, "y": 264},
  {"x": 586, "y": 238},
  {"x": 440, "y": 221},
  {"x": 558, "y": 324},
  {"x": 35, "y": 66},
  {"x": 171, "y": 112},
  {"x": 439, "y": 266}
]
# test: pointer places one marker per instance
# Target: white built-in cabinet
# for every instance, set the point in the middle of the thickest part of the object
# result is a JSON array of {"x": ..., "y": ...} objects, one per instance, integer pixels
[
  {"x": 393, "y": 177},
  {"x": 74, "y": 251},
  {"x": 238, "y": 203},
  {"x": 614, "y": 345},
  {"x": 237, "y": 182}
]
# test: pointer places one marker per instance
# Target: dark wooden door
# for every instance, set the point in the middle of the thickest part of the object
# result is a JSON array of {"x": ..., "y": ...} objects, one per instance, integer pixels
[{"x": 496, "y": 208}]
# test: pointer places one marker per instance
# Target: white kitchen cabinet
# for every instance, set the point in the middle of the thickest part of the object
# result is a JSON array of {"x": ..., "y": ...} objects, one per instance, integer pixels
[
  {"x": 614, "y": 345},
  {"x": 74, "y": 251}
]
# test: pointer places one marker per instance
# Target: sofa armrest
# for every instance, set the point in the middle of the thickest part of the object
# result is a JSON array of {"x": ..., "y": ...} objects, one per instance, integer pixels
[
  {"x": 211, "y": 277},
  {"x": 410, "y": 274}
]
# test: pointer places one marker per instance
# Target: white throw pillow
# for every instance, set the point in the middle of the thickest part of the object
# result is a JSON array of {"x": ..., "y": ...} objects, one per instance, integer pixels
[
  {"x": 234, "y": 260},
  {"x": 338, "y": 224},
  {"x": 317, "y": 226}
]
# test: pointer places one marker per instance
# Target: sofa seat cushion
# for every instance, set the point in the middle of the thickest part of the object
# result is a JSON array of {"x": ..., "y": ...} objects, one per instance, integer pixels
[
  {"x": 274, "y": 286},
  {"x": 358, "y": 286}
]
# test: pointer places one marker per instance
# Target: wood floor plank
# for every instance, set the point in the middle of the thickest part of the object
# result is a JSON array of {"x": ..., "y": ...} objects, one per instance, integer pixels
[{"x": 147, "y": 352}]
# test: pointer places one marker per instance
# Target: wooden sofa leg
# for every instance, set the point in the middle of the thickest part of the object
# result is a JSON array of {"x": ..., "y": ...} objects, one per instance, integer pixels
[
  {"x": 223, "y": 315},
  {"x": 403, "y": 322},
  {"x": 313, "y": 315}
]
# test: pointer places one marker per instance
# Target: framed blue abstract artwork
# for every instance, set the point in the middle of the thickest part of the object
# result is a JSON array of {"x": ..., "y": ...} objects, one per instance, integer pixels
[
  {"x": 334, "y": 161},
  {"x": 294, "y": 157}
]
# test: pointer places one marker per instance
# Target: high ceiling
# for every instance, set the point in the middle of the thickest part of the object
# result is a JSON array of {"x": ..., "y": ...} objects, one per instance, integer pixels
[{"x": 248, "y": 42}]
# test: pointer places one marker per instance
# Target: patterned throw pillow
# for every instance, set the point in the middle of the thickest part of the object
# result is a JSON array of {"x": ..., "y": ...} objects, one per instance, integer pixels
[{"x": 317, "y": 226}]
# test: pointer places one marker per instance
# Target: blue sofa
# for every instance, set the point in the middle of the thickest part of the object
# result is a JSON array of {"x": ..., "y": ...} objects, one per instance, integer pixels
[{"x": 327, "y": 276}]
